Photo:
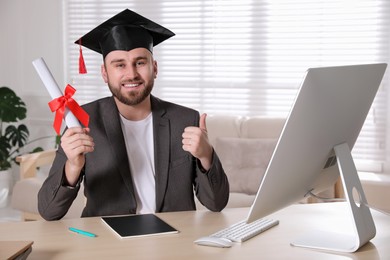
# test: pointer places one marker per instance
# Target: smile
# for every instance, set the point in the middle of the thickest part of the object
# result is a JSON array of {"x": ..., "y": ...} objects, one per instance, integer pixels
[{"x": 132, "y": 85}]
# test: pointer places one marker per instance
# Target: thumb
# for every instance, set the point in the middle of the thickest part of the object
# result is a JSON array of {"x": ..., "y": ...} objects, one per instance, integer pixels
[{"x": 202, "y": 122}]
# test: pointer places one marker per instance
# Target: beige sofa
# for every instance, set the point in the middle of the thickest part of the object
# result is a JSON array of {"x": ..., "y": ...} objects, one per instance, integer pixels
[{"x": 244, "y": 145}]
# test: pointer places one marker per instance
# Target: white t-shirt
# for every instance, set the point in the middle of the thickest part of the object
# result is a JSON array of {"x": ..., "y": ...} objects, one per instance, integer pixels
[{"x": 140, "y": 150}]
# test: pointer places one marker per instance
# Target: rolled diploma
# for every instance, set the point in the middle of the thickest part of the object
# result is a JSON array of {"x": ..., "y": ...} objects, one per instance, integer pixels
[{"x": 53, "y": 89}]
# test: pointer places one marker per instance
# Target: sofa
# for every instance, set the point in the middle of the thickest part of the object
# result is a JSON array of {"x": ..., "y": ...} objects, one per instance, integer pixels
[{"x": 244, "y": 145}]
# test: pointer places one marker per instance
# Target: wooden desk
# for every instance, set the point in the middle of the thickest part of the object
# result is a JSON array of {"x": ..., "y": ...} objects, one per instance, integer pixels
[
  {"x": 14, "y": 249},
  {"x": 52, "y": 240}
]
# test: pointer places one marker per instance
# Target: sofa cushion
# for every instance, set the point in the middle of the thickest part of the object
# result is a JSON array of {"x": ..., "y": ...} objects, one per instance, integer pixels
[
  {"x": 223, "y": 126},
  {"x": 244, "y": 161}
]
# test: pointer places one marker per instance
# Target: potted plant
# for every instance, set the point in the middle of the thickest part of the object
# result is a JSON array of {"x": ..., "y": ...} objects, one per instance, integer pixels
[{"x": 13, "y": 136}]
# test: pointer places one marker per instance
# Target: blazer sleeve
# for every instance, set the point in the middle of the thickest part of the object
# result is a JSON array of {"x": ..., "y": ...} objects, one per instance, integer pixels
[
  {"x": 212, "y": 187},
  {"x": 54, "y": 198}
]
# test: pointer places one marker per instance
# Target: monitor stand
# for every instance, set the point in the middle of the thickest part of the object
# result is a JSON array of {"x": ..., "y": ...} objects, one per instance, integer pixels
[{"x": 363, "y": 224}]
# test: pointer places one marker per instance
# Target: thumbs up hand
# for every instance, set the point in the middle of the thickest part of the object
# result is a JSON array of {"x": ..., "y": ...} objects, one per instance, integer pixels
[{"x": 195, "y": 141}]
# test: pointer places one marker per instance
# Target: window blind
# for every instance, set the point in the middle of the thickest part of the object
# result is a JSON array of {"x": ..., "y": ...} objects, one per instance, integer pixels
[{"x": 246, "y": 57}]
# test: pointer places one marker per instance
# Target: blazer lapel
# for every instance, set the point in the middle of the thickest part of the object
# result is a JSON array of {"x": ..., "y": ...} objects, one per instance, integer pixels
[
  {"x": 161, "y": 134},
  {"x": 112, "y": 125}
]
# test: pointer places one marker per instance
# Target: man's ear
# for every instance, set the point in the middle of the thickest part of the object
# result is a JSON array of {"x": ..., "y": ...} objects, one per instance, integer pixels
[
  {"x": 104, "y": 73},
  {"x": 155, "y": 68}
]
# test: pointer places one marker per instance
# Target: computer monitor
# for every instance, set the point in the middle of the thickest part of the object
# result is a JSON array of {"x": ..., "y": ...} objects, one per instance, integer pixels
[{"x": 315, "y": 145}]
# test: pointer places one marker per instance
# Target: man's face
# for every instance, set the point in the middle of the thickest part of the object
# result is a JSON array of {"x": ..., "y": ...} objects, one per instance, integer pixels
[{"x": 130, "y": 74}]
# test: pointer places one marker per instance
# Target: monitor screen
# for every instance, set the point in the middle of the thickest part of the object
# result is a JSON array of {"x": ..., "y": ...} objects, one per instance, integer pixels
[{"x": 330, "y": 109}]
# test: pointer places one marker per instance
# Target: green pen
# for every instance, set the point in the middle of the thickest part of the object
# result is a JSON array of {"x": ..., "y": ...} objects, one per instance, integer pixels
[{"x": 82, "y": 232}]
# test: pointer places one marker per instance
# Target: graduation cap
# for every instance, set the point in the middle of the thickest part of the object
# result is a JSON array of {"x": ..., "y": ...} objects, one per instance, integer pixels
[{"x": 125, "y": 31}]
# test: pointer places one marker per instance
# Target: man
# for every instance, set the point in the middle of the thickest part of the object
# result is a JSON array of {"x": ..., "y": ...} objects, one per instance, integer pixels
[{"x": 139, "y": 154}]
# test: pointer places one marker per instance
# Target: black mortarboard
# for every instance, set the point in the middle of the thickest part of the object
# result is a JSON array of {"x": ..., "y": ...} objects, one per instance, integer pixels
[{"x": 125, "y": 31}]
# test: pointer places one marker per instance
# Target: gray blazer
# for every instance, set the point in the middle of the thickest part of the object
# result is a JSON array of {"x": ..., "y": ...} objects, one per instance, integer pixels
[{"x": 106, "y": 176}]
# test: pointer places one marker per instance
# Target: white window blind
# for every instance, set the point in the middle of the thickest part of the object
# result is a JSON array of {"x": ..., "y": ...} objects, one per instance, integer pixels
[{"x": 246, "y": 57}]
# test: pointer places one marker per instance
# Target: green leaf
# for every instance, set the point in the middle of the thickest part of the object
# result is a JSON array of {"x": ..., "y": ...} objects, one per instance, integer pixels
[
  {"x": 37, "y": 149},
  {"x": 12, "y": 108},
  {"x": 17, "y": 136},
  {"x": 5, "y": 148},
  {"x": 4, "y": 165}
]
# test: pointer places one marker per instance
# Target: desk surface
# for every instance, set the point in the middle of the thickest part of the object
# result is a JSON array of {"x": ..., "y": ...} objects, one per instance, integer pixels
[{"x": 52, "y": 240}]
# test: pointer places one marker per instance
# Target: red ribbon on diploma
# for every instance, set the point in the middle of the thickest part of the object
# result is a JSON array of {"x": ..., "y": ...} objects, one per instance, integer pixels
[{"x": 58, "y": 105}]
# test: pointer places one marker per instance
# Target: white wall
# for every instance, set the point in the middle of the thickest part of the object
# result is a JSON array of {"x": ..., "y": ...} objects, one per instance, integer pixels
[{"x": 29, "y": 30}]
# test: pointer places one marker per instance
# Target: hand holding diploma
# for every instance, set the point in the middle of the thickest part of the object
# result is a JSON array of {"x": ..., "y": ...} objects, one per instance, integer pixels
[{"x": 76, "y": 141}]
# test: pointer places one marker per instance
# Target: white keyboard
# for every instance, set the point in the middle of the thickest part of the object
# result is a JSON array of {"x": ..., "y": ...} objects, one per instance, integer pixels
[{"x": 242, "y": 231}]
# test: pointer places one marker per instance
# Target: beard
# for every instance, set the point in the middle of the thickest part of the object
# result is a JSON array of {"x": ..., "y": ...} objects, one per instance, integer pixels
[{"x": 132, "y": 98}]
